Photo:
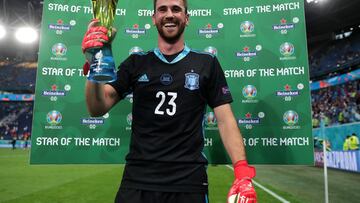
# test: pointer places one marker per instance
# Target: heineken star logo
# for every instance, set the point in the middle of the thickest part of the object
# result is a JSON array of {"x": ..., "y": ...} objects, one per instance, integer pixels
[
  {"x": 248, "y": 115},
  {"x": 53, "y": 87},
  {"x": 136, "y": 26},
  {"x": 209, "y": 26},
  {"x": 60, "y": 22},
  {"x": 283, "y": 21},
  {"x": 287, "y": 87},
  {"x": 246, "y": 49}
]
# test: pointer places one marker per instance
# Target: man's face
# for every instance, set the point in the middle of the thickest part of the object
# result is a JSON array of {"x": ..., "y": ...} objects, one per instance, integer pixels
[{"x": 170, "y": 19}]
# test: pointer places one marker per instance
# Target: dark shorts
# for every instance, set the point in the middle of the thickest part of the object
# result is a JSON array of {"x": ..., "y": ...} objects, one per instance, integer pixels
[{"x": 144, "y": 196}]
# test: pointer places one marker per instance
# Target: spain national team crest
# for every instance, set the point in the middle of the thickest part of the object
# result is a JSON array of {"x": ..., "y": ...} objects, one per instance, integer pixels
[{"x": 191, "y": 81}]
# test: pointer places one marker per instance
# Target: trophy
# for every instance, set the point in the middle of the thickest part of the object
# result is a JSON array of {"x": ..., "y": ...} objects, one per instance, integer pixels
[{"x": 102, "y": 64}]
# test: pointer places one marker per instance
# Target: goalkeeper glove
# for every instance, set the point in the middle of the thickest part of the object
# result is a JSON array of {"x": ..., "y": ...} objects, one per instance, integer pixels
[
  {"x": 242, "y": 190},
  {"x": 95, "y": 36}
]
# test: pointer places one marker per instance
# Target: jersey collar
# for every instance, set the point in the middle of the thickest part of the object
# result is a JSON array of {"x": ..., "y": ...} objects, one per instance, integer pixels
[{"x": 180, "y": 56}]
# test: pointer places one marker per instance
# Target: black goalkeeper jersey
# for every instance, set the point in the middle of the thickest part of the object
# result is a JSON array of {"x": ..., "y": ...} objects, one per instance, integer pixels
[{"x": 169, "y": 102}]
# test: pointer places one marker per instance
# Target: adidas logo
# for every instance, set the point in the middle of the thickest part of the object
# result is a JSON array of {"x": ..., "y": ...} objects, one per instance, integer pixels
[{"x": 143, "y": 78}]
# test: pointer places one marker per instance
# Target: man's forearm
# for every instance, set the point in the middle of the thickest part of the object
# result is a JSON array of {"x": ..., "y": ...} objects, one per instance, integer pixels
[
  {"x": 95, "y": 99},
  {"x": 232, "y": 140},
  {"x": 230, "y": 133}
]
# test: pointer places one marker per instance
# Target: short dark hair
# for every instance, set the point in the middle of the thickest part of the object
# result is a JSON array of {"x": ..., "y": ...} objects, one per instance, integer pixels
[{"x": 185, "y": 5}]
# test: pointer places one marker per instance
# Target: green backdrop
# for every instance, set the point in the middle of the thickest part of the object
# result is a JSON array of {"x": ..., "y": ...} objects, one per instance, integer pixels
[{"x": 261, "y": 45}]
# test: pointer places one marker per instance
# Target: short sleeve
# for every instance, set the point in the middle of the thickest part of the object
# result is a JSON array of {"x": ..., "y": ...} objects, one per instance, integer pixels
[{"x": 218, "y": 91}]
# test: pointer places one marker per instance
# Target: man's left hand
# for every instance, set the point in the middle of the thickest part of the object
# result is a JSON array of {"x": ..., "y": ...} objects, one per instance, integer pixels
[{"x": 242, "y": 190}]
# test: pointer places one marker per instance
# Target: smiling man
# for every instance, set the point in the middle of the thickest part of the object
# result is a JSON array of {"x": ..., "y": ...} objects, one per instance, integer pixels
[{"x": 171, "y": 86}]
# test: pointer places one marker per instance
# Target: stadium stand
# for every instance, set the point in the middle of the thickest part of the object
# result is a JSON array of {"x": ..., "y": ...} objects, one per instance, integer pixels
[
  {"x": 15, "y": 119},
  {"x": 17, "y": 76},
  {"x": 335, "y": 56},
  {"x": 340, "y": 103}
]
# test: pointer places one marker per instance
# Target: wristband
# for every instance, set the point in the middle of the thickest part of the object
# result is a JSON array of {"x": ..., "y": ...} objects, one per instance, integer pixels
[{"x": 243, "y": 170}]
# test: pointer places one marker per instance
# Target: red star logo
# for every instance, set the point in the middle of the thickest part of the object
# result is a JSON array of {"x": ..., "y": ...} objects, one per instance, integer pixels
[
  {"x": 60, "y": 22},
  {"x": 209, "y": 25},
  {"x": 287, "y": 87},
  {"x": 136, "y": 26},
  {"x": 248, "y": 115},
  {"x": 53, "y": 87},
  {"x": 246, "y": 49},
  {"x": 283, "y": 21}
]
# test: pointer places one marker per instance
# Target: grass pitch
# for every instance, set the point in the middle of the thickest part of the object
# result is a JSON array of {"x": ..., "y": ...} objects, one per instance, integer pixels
[{"x": 21, "y": 182}]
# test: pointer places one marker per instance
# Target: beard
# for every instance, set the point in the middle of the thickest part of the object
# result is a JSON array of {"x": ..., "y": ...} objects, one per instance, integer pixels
[{"x": 174, "y": 36}]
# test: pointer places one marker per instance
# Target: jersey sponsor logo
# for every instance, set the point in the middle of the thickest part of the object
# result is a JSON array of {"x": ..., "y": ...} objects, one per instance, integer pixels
[
  {"x": 191, "y": 81},
  {"x": 166, "y": 79},
  {"x": 225, "y": 90},
  {"x": 143, "y": 78}
]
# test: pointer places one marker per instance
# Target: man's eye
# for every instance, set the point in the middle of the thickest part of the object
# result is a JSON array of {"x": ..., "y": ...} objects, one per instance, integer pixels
[
  {"x": 177, "y": 9},
  {"x": 162, "y": 9}
]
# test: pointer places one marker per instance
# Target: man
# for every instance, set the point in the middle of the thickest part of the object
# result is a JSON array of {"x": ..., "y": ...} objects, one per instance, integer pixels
[
  {"x": 346, "y": 144},
  {"x": 171, "y": 87},
  {"x": 353, "y": 142}
]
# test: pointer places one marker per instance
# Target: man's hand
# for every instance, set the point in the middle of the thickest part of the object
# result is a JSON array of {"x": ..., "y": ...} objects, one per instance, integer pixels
[
  {"x": 95, "y": 37},
  {"x": 242, "y": 190}
]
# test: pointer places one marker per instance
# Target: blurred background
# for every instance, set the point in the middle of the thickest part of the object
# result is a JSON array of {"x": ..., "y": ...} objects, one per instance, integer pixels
[{"x": 333, "y": 35}]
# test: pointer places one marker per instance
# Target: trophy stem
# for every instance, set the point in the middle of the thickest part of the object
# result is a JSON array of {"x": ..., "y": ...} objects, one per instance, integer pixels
[{"x": 102, "y": 66}]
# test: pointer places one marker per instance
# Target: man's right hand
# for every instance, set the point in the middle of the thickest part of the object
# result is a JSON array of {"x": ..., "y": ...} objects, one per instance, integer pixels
[{"x": 95, "y": 37}]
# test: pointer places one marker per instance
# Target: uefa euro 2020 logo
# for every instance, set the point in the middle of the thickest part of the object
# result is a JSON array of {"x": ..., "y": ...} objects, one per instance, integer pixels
[
  {"x": 54, "y": 118},
  {"x": 249, "y": 91},
  {"x": 135, "y": 49},
  {"x": 59, "y": 49},
  {"x": 211, "y": 50},
  {"x": 210, "y": 119},
  {"x": 129, "y": 118},
  {"x": 247, "y": 27},
  {"x": 291, "y": 118},
  {"x": 287, "y": 49}
]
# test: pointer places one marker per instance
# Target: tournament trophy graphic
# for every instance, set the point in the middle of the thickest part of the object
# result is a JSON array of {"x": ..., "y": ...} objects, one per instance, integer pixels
[{"x": 102, "y": 64}]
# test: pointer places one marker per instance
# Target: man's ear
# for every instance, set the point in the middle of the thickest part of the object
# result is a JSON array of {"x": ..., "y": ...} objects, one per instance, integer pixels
[
  {"x": 187, "y": 19},
  {"x": 153, "y": 18}
]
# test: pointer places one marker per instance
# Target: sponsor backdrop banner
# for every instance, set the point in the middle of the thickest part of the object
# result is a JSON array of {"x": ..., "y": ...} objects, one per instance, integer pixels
[
  {"x": 261, "y": 46},
  {"x": 343, "y": 160}
]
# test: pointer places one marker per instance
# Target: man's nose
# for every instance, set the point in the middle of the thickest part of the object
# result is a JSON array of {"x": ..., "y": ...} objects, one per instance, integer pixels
[{"x": 169, "y": 14}]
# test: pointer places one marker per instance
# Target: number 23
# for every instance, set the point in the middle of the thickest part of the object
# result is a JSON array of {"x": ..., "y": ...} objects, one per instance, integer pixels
[{"x": 172, "y": 103}]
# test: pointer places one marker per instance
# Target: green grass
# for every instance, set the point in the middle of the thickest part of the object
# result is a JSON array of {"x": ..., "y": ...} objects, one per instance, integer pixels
[{"x": 21, "y": 182}]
